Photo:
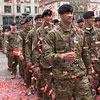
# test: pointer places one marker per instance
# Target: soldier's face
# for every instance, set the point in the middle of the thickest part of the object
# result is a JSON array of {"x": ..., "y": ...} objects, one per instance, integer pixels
[
  {"x": 28, "y": 25},
  {"x": 47, "y": 18},
  {"x": 90, "y": 21},
  {"x": 67, "y": 17},
  {"x": 97, "y": 24},
  {"x": 81, "y": 24},
  {"x": 13, "y": 27},
  {"x": 38, "y": 22}
]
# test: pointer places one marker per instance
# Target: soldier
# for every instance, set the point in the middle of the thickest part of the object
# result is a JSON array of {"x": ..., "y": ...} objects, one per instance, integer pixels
[
  {"x": 38, "y": 21},
  {"x": 62, "y": 50},
  {"x": 22, "y": 47},
  {"x": 56, "y": 22},
  {"x": 42, "y": 31},
  {"x": 80, "y": 23},
  {"x": 9, "y": 45},
  {"x": 21, "y": 63},
  {"x": 97, "y": 22},
  {"x": 91, "y": 39}
]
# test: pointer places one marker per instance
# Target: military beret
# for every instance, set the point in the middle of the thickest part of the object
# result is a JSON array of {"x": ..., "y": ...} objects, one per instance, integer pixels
[
  {"x": 6, "y": 27},
  {"x": 65, "y": 8},
  {"x": 13, "y": 24},
  {"x": 88, "y": 14},
  {"x": 55, "y": 21},
  {"x": 22, "y": 22},
  {"x": 47, "y": 12},
  {"x": 97, "y": 19},
  {"x": 80, "y": 20},
  {"x": 27, "y": 19},
  {"x": 38, "y": 16}
]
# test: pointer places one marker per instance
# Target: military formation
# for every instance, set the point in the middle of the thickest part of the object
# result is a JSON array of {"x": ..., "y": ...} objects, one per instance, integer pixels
[{"x": 57, "y": 59}]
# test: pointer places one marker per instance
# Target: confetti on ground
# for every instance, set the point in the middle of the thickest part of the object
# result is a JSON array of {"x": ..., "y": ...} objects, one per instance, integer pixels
[{"x": 14, "y": 89}]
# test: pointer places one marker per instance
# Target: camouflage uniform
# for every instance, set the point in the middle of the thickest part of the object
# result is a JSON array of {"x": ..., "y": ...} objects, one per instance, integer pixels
[
  {"x": 35, "y": 39},
  {"x": 92, "y": 53},
  {"x": 10, "y": 43},
  {"x": 70, "y": 77},
  {"x": 22, "y": 41}
]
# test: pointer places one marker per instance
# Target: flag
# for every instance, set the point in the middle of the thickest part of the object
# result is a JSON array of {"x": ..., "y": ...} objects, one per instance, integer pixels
[{"x": 17, "y": 52}]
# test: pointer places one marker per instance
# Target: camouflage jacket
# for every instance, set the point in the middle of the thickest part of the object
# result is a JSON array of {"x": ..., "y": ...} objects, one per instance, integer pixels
[
  {"x": 10, "y": 41},
  {"x": 60, "y": 41},
  {"x": 35, "y": 38},
  {"x": 92, "y": 46},
  {"x": 22, "y": 40}
]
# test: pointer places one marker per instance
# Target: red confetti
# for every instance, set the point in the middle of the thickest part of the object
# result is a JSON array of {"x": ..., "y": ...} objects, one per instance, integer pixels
[
  {"x": 85, "y": 47},
  {"x": 74, "y": 76},
  {"x": 50, "y": 92},
  {"x": 99, "y": 89},
  {"x": 10, "y": 1},
  {"x": 51, "y": 74},
  {"x": 34, "y": 78},
  {"x": 78, "y": 29},
  {"x": 93, "y": 90},
  {"x": 43, "y": 6},
  {"x": 40, "y": 50},
  {"x": 46, "y": 87},
  {"x": 92, "y": 69},
  {"x": 30, "y": 71},
  {"x": 65, "y": 72},
  {"x": 41, "y": 38},
  {"x": 98, "y": 42},
  {"x": 94, "y": 9},
  {"x": 18, "y": 3}
]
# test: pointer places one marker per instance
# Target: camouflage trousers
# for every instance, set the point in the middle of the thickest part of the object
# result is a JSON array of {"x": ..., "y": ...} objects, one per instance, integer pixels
[
  {"x": 12, "y": 62},
  {"x": 79, "y": 87},
  {"x": 45, "y": 84},
  {"x": 96, "y": 75},
  {"x": 22, "y": 65},
  {"x": 27, "y": 76}
]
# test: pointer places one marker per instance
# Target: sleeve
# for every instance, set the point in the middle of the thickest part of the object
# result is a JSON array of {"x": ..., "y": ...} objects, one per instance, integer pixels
[
  {"x": 28, "y": 48},
  {"x": 6, "y": 42},
  {"x": 20, "y": 42},
  {"x": 86, "y": 55},
  {"x": 49, "y": 54}
]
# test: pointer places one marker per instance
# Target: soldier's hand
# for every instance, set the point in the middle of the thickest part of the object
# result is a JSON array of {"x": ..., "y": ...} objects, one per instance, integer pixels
[
  {"x": 5, "y": 51},
  {"x": 37, "y": 71},
  {"x": 21, "y": 58},
  {"x": 68, "y": 57}
]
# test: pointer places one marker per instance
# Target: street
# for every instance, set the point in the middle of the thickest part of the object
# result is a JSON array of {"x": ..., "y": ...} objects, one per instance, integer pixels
[{"x": 11, "y": 89}]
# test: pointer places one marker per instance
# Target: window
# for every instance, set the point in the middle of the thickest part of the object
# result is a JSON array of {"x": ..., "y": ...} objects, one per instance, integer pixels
[
  {"x": 6, "y": 0},
  {"x": 7, "y": 9},
  {"x": 36, "y": 9},
  {"x": 17, "y": 0},
  {"x": 58, "y": 4},
  {"x": 7, "y": 20},
  {"x": 35, "y": 1},
  {"x": 27, "y": 9},
  {"x": 18, "y": 9}
]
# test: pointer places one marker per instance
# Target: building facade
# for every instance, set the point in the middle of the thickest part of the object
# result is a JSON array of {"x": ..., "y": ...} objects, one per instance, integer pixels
[
  {"x": 15, "y": 10},
  {"x": 94, "y": 6}
]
